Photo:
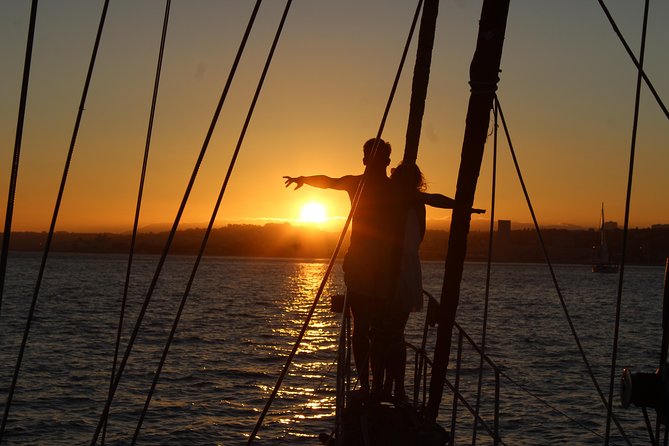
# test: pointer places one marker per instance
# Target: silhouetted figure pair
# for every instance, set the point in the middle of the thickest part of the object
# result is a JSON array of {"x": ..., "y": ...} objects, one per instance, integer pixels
[{"x": 382, "y": 267}]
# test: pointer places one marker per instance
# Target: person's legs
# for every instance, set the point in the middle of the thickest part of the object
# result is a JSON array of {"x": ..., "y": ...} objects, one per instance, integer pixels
[
  {"x": 399, "y": 370},
  {"x": 398, "y": 355},
  {"x": 377, "y": 356}
]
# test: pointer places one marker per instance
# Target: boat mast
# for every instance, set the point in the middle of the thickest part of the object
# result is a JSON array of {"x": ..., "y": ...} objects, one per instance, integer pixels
[
  {"x": 603, "y": 247},
  {"x": 483, "y": 74},
  {"x": 421, "y": 77}
]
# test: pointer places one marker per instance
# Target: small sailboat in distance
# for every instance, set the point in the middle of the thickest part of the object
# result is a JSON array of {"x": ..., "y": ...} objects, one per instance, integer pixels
[{"x": 602, "y": 256}]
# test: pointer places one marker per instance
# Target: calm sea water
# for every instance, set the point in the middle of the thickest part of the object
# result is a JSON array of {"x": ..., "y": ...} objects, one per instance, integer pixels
[{"x": 241, "y": 320}]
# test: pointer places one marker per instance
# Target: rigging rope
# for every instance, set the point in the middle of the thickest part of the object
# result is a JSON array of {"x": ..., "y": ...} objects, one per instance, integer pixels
[
  {"x": 139, "y": 203},
  {"x": 49, "y": 238},
  {"x": 343, "y": 380},
  {"x": 326, "y": 375},
  {"x": 552, "y": 271},
  {"x": 499, "y": 368},
  {"x": 488, "y": 268},
  {"x": 333, "y": 258},
  {"x": 457, "y": 396},
  {"x": 628, "y": 199},
  {"x": 547, "y": 404},
  {"x": 636, "y": 62},
  {"x": 17, "y": 149},
  {"x": 664, "y": 344},
  {"x": 175, "y": 225},
  {"x": 211, "y": 221}
]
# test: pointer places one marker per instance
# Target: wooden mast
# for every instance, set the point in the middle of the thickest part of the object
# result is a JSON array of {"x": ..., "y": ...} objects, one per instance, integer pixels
[
  {"x": 483, "y": 74},
  {"x": 421, "y": 77}
]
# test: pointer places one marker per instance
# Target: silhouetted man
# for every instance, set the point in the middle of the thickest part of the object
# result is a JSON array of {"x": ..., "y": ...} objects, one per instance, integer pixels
[{"x": 365, "y": 270}]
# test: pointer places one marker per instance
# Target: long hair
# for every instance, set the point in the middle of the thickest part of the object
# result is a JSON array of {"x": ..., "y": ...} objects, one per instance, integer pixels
[{"x": 409, "y": 176}]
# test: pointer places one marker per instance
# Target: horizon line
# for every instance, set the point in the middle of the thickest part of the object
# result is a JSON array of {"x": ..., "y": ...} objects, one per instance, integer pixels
[{"x": 437, "y": 225}]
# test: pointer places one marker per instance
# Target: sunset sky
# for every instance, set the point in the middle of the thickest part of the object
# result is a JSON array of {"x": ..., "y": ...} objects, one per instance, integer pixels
[{"x": 567, "y": 87}]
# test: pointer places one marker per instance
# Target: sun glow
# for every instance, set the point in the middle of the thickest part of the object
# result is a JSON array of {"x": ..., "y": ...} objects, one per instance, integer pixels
[{"x": 313, "y": 213}]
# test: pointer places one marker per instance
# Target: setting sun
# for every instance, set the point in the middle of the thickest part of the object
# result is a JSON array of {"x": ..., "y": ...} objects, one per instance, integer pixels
[{"x": 313, "y": 213}]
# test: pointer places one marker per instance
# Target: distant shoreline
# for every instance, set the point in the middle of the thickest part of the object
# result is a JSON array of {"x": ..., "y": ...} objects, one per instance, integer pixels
[{"x": 648, "y": 246}]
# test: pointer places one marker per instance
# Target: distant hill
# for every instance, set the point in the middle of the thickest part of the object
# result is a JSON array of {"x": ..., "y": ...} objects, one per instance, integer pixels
[{"x": 645, "y": 246}]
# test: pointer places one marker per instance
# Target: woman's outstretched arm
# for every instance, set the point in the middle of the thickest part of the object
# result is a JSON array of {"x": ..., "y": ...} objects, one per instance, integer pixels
[{"x": 443, "y": 202}]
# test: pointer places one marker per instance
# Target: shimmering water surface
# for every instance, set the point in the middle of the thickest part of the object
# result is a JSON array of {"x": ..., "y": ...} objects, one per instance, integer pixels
[{"x": 241, "y": 320}]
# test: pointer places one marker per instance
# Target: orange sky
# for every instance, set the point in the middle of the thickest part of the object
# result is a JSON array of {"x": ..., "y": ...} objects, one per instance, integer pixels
[{"x": 567, "y": 88}]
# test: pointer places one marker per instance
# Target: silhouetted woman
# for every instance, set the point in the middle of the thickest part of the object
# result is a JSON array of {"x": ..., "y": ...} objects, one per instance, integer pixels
[{"x": 405, "y": 285}]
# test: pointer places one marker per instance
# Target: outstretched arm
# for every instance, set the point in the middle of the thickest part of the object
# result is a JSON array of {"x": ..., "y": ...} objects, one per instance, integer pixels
[
  {"x": 443, "y": 202},
  {"x": 437, "y": 200},
  {"x": 347, "y": 182}
]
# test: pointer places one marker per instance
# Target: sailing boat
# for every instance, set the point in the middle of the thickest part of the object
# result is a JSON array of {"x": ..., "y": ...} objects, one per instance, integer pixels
[
  {"x": 602, "y": 255},
  {"x": 483, "y": 88}
]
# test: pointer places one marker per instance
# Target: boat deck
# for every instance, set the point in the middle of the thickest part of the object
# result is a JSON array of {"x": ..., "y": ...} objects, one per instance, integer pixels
[{"x": 382, "y": 423}]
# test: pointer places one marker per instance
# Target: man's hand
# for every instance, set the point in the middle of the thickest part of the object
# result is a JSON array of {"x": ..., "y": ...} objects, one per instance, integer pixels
[{"x": 298, "y": 181}]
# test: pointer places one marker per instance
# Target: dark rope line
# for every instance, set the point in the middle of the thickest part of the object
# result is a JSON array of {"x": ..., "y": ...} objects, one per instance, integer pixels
[
  {"x": 628, "y": 199},
  {"x": 549, "y": 405},
  {"x": 303, "y": 330},
  {"x": 326, "y": 375},
  {"x": 457, "y": 395},
  {"x": 212, "y": 220},
  {"x": 333, "y": 258},
  {"x": 398, "y": 74},
  {"x": 498, "y": 367},
  {"x": 133, "y": 239},
  {"x": 175, "y": 225},
  {"x": 343, "y": 379},
  {"x": 17, "y": 149},
  {"x": 664, "y": 344},
  {"x": 649, "y": 84},
  {"x": 47, "y": 243},
  {"x": 649, "y": 427},
  {"x": 419, "y": 85},
  {"x": 488, "y": 269},
  {"x": 552, "y": 271}
]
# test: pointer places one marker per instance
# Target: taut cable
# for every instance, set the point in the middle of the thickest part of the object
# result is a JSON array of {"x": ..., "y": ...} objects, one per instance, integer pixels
[
  {"x": 54, "y": 219},
  {"x": 175, "y": 225},
  {"x": 628, "y": 199},
  {"x": 563, "y": 303},
  {"x": 634, "y": 60},
  {"x": 333, "y": 258},
  {"x": 17, "y": 149},
  {"x": 138, "y": 207},
  {"x": 488, "y": 267},
  {"x": 210, "y": 226}
]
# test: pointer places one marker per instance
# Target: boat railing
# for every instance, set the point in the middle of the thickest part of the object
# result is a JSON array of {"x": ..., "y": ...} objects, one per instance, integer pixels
[{"x": 422, "y": 363}]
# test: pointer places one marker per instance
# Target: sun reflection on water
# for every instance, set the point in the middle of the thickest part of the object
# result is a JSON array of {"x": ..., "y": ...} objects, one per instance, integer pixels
[
  {"x": 303, "y": 284},
  {"x": 308, "y": 395}
]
